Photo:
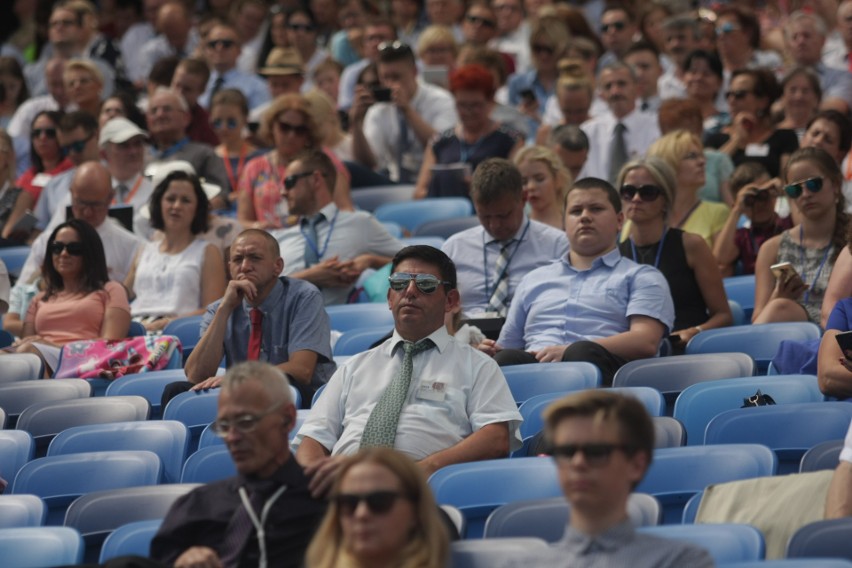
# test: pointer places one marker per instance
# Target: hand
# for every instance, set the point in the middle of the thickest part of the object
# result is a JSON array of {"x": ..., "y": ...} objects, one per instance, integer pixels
[
  {"x": 238, "y": 289},
  {"x": 401, "y": 97},
  {"x": 331, "y": 273},
  {"x": 210, "y": 383},
  {"x": 550, "y": 354},
  {"x": 529, "y": 107},
  {"x": 741, "y": 128},
  {"x": 323, "y": 473},
  {"x": 682, "y": 337},
  {"x": 23, "y": 341},
  {"x": 157, "y": 324},
  {"x": 358, "y": 265},
  {"x": 489, "y": 347},
  {"x": 361, "y": 102},
  {"x": 792, "y": 288},
  {"x": 198, "y": 557}
]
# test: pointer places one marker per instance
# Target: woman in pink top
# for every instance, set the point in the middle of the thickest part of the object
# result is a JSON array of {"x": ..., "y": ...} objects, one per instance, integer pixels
[{"x": 79, "y": 301}]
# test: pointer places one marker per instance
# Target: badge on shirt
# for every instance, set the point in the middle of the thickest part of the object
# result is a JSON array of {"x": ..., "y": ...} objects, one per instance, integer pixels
[
  {"x": 757, "y": 150},
  {"x": 40, "y": 180},
  {"x": 434, "y": 391}
]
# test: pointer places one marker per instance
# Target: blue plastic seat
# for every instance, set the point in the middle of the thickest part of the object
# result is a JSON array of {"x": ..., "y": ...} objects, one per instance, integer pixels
[
  {"x": 412, "y": 214},
  {"x": 370, "y": 198},
  {"x": 147, "y": 385},
  {"x": 738, "y": 314},
  {"x": 527, "y": 381},
  {"x": 760, "y": 341},
  {"x": 208, "y": 464},
  {"x": 6, "y": 339},
  {"x": 822, "y": 539},
  {"x": 788, "y": 429},
  {"x": 493, "y": 552},
  {"x": 435, "y": 242},
  {"x": 61, "y": 479},
  {"x": 20, "y": 367},
  {"x": 188, "y": 330},
  {"x": 676, "y": 474},
  {"x": 196, "y": 409},
  {"x": 14, "y": 258},
  {"x": 16, "y": 397},
  {"x": 21, "y": 511},
  {"x": 16, "y": 449},
  {"x": 136, "y": 329},
  {"x": 700, "y": 403},
  {"x": 168, "y": 439},
  {"x": 668, "y": 432},
  {"x": 671, "y": 375},
  {"x": 317, "y": 395},
  {"x": 347, "y": 317},
  {"x": 132, "y": 539},
  {"x": 445, "y": 228},
  {"x": 40, "y": 547},
  {"x": 357, "y": 341},
  {"x": 395, "y": 229},
  {"x": 741, "y": 290},
  {"x": 547, "y": 518},
  {"x": 793, "y": 563},
  {"x": 822, "y": 456},
  {"x": 725, "y": 542},
  {"x": 477, "y": 488}
]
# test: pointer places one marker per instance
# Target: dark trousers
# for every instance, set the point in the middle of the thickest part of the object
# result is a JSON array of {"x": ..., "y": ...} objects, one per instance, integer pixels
[{"x": 587, "y": 351}]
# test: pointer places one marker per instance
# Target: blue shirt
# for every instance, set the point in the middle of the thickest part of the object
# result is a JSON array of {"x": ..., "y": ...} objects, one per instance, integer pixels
[
  {"x": 558, "y": 304},
  {"x": 252, "y": 86},
  {"x": 294, "y": 319}
]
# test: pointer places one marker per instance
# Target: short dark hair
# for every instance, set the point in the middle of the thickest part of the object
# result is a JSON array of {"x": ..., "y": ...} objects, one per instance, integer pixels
[
  {"x": 231, "y": 97},
  {"x": 163, "y": 70},
  {"x": 195, "y": 66},
  {"x": 95, "y": 274},
  {"x": 396, "y": 51},
  {"x": 199, "y": 221},
  {"x": 640, "y": 46},
  {"x": 746, "y": 173},
  {"x": 570, "y": 137},
  {"x": 316, "y": 159},
  {"x": 588, "y": 183},
  {"x": 712, "y": 60},
  {"x": 271, "y": 242},
  {"x": 430, "y": 255},
  {"x": 494, "y": 178},
  {"x": 844, "y": 125},
  {"x": 78, "y": 119}
]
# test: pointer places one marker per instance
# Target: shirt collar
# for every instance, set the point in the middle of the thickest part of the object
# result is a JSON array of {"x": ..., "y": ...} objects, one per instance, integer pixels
[
  {"x": 613, "y": 538},
  {"x": 609, "y": 259},
  {"x": 439, "y": 337},
  {"x": 271, "y": 300}
]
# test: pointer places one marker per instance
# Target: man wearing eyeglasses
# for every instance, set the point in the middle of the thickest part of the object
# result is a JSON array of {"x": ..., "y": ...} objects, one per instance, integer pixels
[
  {"x": 222, "y": 51},
  {"x": 618, "y": 26},
  {"x": 422, "y": 392},
  {"x": 602, "y": 444},
  {"x": 265, "y": 515}
]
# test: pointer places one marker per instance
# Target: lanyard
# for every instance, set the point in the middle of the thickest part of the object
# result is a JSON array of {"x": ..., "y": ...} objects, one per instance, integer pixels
[
  {"x": 258, "y": 523},
  {"x": 310, "y": 242},
  {"x": 488, "y": 293},
  {"x": 802, "y": 260},
  {"x": 131, "y": 193},
  {"x": 174, "y": 149},
  {"x": 688, "y": 214},
  {"x": 234, "y": 178},
  {"x": 659, "y": 248},
  {"x": 466, "y": 151}
]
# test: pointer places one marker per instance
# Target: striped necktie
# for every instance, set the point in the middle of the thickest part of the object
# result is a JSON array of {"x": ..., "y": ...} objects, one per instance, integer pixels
[{"x": 499, "y": 301}]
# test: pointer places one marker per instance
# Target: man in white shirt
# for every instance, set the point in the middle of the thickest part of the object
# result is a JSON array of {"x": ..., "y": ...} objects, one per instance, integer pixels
[
  {"x": 644, "y": 59},
  {"x": 123, "y": 146},
  {"x": 393, "y": 135},
  {"x": 451, "y": 405},
  {"x": 222, "y": 49},
  {"x": 682, "y": 35},
  {"x": 514, "y": 30}
]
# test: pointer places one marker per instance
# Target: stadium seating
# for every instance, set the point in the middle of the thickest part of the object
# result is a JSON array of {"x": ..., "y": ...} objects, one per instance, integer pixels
[
  {"x": 188, "y": 330},
  {"x": 21, "y": 511},
  {"x": 208, "y": 464},
  {"x": 347, "y": 317},
  {"x": 445, "y": 228},
  {"x": 16, "y": 397},
  {"x": 822, "y": 456},
  {"x": 412, "y": 214},
  {"x": 16, "y": 449},
  {"x": 741, "y": 290},
  {"x": 196, "y": 409},
  {"x": 21, "y": 367},
  {"x": 370, "y": 198},
  {"x": 147, "y": 385},
  {"x": 14, "y": 259},
  {"x": 527, "y": 381},
  {"x": 493, "y": 552},
  {"x": 40, "y": 547},
  {"x": 822, "y": 539},
  {"x": 725, "y": 542},
  {"x": 130, "y": 539},
  {"x": 358, "y": 340}
]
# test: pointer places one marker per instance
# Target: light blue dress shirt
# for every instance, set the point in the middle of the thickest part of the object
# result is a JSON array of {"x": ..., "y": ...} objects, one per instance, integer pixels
[{"x": 252, "y": 86}]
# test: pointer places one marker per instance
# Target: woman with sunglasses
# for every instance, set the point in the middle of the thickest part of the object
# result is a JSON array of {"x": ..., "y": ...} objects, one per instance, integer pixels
[
  {"x": 290, "y": 126},
  {"x": 229, "y": 117},
  {"x": 382, "y": 515},
  {"x": 647, "y": 194},
  {"x": 813, "y": 182},
  {"x": 545, "y": 179},
  {"x": 302, "y": 34},
  {"x": 79, "y": 301}
]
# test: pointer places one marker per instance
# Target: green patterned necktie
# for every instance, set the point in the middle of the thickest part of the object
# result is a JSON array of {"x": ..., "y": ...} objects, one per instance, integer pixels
[{"x": 380, "y": 429}]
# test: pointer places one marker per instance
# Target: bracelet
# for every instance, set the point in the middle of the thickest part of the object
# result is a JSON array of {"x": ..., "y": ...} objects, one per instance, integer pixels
[{"x": 699, "y": 328}]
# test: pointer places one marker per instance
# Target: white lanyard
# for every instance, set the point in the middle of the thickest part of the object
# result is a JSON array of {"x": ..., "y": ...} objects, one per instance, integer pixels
[{"x": 258, "y": 523}]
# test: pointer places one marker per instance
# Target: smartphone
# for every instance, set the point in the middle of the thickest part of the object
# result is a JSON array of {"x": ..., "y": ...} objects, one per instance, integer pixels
[
  {"x": 382, "y": 94},
  {"x": 783, "y": 271},
  {"x": 845, "y": 341}
]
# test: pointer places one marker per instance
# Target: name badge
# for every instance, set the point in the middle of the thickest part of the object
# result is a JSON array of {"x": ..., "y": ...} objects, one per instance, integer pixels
[
  {"x": 435, "y": 391},
  {"x": 757, "y": 150},
  {"x": 40, "y": 180}
]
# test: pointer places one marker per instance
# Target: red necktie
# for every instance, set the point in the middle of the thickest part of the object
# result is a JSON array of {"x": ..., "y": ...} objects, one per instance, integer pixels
[{"x": 256, "y": 331}]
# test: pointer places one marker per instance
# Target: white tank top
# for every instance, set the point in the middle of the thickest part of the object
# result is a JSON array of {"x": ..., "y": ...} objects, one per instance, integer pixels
[{"x": 168, "y": 284}]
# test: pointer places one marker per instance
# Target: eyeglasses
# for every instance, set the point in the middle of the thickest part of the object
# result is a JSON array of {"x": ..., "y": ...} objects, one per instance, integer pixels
[
  {"x": 74, "y": 248},
  {"x": 291, "y": 181},
  {"x": 795, "y": 190},
  {"x": 301, "y": 27},
  {"x": 481, "y": 21},
  {"x": 759, "y": 196},
  {"x": 544, "y": 49},
  {"x": 48, "y": 132},
  {"x": 426, "y": 283},
  {"x": 78, "y": 146},
  {"x": 243, "y": 424},
  {"x": 287, "y": 128},
  {"x": 596, "y": 455},
  {"x": 378, "y": 502},
  {"x": 226, "y": 43},
  {"x": 617, "y": 26},
  {"x": 230, "y": 123},
  {"x": 737, "y": 95},
  {"x": 726, "y": 28},
  {"x": 82, "y": 204},
  {"x": 394, "y": 47},
  {"x": 646, "y": 192}
]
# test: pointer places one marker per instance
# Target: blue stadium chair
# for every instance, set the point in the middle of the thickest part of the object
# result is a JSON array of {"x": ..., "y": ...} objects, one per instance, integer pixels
[
  {"x": 760, "y": 341},
  {"x": 547, "y": 518},
  {"x": 740, "y": 289},
  {"x": 690, "y": 510},
  {"x": 412, "y": 214},
  {"x": 788, "y": 429},
  {"x": 395, "y": 229},
  {"x": 317, "y": 395},
  {"x": 670, "y": 375},
  {"x": 698, "y": 404},
  {"x": 166, "y": 438},
  {"x": 495, "y": 551},
  {"x": 370, "y": 198},
  {"x": 21, "y": 511},
  {"x": 356, "y": 341},
  {"x": 2, "y": 419},
  {"x": 95, "y": 515},
  {"x": 208, "y": 464},
  {"x": 445, "y": 228},
  {"x": 457, "y": 518},
  {"x": 14, "y": 259},
  {"x": 45, "y": 420},
  {"x": 822, "y": 456},
  {"x": 822, "y": 539},
  {"x": 725, "y": 542},
  {"x": 477, "y": 488},
  {"x": 40, "y": 547},
  {"x": 136, "y": 329},
  {"x": 436, "y": 242},
  {"x": 668, "y": 432},
  {"x": 527, "y": 381},
  {"x": 792, "y": 563},
  {"x": 676, "y": 474},
  {"x": 738, "y": 314},
  {"x": 196, "y": 409},
  {"x": 61, "y": 479},
  {"x": 16, "y": 449},
  {"x": 6, "y": 339},
  {"x": 132, "y": 539},
  {"x": 188, "y": 330},
  {"x": 16, "y": 397},
  {"x": 347, "y": 317},
  {"x": 147, "y": 385},
  {"x": 21, "y": 367}
]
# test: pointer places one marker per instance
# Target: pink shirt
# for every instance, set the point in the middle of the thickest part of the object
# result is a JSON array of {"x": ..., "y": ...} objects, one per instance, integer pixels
[{"x": 68, "y": 317}]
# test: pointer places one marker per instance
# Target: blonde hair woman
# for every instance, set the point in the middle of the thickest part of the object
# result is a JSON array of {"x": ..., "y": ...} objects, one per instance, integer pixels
[
  {"x": 545, "y": 180},
  {"x": 437, "y": 46},
  {"x": 331, "y": 133},
  {"x": 382, "y": 514},
  {"x": 84, "y": 85}
]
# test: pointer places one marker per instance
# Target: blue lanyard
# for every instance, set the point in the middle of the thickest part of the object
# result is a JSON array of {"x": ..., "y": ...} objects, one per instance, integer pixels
[
  {"x": 310, "y": 242},
  {"x": 173, "y": 149},
  {"x": 802, "y": 261},
  {"x": 659, "y": 248},
  {"x": 488, "y": 293},
  {"x": 466, "y": 150}
]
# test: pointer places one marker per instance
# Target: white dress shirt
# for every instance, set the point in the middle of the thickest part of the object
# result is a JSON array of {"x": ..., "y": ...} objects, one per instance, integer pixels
[{"x": 641, "y": 131}]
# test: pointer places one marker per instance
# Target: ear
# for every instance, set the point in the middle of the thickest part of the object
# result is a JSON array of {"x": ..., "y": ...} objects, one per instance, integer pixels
[
  {"x": 453, "y": 300},
  {"x": 619, "y": 217},
  {"x": 279, "y": 266}
]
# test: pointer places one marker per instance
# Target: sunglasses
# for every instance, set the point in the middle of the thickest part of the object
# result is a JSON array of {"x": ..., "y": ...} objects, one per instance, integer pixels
[
  {"x": 301, "y": 27},
  {"x": 737, "y": 95},
  {"x": 545, "y": 49},
  {"x": 226, "y": 43},
  {"x": 74, "y": 248},
  {"x": 617, "y": 26},
  {"x": 291, "y": 181},
  {"x": 596, "y": 455},
  {"x": 378, "y": 502},
  {"x": 230, "y": 123},
  {"x": 482, "y": 21},
  {"x": 49, "y": 132},
  {"x": 726, "y": 28},
  {"x": 287, "y": 128},
  {"x": 426, "y": 283},
  {"x": 78, "y": 146},
  {"x": 759, "y": 196},
  {"x": 394, "y": 47},
  {"x": 646, "y": 192},
  {"x": 795, "y": 190}
]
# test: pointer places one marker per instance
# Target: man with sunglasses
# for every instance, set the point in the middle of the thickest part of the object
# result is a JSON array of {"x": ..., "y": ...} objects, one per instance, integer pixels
[
  {"x": 265, "y": 515},
  {"x": 222, "y": 51},
  {"x": 421, "y": 392},
  {"x": 618, "y": 26},
  {"x": 602, "y": 444}
]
